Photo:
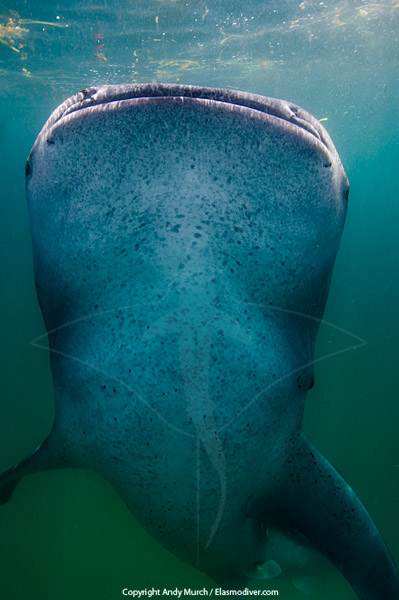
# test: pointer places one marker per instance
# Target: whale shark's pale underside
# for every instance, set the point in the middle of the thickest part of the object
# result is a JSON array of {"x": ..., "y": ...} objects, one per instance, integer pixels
[{"x": 184, "y": 240}]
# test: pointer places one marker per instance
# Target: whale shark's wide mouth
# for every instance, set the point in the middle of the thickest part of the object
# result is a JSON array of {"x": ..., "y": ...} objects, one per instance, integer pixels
[{"x": 280, "y": 109}]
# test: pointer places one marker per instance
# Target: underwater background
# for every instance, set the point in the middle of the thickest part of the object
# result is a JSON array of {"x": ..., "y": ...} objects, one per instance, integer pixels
[{"x": 67, "y": 534}]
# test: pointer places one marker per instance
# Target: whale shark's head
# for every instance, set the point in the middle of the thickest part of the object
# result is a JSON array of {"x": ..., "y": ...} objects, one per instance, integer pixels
[{"x": 209, "y": 195}]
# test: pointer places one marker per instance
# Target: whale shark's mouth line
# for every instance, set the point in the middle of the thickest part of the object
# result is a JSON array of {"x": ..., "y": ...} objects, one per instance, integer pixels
[{"x": 286, "y": 111}]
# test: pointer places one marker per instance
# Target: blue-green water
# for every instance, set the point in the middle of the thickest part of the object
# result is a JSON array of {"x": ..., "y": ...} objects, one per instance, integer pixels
[{"x": 67, "y": 534}]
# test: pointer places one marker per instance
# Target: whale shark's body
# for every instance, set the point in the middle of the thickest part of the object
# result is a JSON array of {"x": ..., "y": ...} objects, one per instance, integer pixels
[{"x": 184, "y": 240}]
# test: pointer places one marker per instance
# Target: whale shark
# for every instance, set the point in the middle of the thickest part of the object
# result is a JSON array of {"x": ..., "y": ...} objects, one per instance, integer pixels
[{"x": 183, "y": 241}]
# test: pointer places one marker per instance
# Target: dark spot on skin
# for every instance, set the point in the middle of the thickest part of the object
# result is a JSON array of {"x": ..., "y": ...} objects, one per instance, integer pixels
[
  {"x": 50, "y": 141},
  {"x": 27, "y": 169},
  {"x": 86, "y": 93}
]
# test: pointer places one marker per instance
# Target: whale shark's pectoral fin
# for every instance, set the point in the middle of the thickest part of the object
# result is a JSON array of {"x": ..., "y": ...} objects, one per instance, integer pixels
[
  {"x": 8, "y": 483},
  {"x": 315, "y": 500},
  {"x": 46, "y": 456}
]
